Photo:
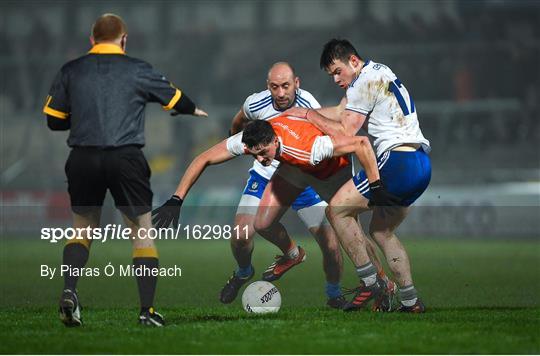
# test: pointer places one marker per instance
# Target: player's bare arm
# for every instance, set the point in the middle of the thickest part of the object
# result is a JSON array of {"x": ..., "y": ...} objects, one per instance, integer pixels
[
  {"x": 330, "y": 112},
  {"x": 215, "y": 155},
  {"x": 238, "y": 122},
  {"x": 348, "y": 125},
  {"x": 361, "y": 147},
  {"x": 169, "y": 212},
  {"x": 334, "y": 112}
]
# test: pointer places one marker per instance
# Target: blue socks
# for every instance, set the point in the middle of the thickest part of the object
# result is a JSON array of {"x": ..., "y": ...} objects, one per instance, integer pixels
[
  {"x": 333, "y": 290},
  {"x": 244, "y": 272}
]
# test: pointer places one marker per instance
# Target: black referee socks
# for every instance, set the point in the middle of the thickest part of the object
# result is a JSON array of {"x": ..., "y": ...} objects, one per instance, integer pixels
[
  {"x": 76, "y": 256},
  {"x": 145, "y": 260}
]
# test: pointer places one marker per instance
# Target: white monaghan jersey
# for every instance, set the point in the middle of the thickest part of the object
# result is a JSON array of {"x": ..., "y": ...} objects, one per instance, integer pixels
[
  {"x": 392, "y": 121},
  {"x": 260, "y": 106}
]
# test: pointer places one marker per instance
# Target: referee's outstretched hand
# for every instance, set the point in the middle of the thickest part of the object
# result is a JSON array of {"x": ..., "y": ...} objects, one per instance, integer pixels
[
  {"x": 382, "y": 197},
  {"x": 198, "y": 112},
  {"x": 168, "y": 213}
]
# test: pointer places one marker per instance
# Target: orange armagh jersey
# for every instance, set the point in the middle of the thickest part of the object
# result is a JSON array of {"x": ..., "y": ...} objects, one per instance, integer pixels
[{"x": 298, "y": 147}]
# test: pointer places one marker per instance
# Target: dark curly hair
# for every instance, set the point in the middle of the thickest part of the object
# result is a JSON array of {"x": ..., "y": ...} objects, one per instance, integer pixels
[
  {"x": 337, "y": 49},
  {"x": 258, "y": 132}
]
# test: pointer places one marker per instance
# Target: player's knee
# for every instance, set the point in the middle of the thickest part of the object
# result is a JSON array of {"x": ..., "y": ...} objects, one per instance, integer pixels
[
  {"x": 265, "y": 225},
  {"x": 333, "y": 213},
  {"x": 262, "y": 224}
]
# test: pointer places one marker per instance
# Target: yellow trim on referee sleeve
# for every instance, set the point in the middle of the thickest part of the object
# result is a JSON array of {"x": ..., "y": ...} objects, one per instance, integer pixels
[
  {"x": 52, "y": 112},
  {"x": 145, "y": 252},
  {"x": 174, "y": 100},
  {"x": 85, "y": 242}
]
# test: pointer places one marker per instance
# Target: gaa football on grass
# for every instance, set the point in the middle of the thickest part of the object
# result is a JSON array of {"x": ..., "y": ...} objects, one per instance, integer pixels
[{"x": 261, "y": 297}]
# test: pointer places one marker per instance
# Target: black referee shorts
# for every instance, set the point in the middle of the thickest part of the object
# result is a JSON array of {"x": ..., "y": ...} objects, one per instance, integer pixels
[{"x": 123, "y": 170}]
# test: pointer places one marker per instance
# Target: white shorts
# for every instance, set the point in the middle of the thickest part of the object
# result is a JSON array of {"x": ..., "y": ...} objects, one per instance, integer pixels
[{"x": 311, "y": 216}]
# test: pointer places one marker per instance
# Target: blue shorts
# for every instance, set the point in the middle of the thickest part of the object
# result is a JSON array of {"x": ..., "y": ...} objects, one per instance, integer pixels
[
  {"x": 405, "y": 174},
  {"x": 256, "y": 184}
]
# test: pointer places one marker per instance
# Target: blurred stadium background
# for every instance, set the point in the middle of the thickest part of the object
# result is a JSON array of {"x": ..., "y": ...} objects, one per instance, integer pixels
[{"x": 472, "y": 67}]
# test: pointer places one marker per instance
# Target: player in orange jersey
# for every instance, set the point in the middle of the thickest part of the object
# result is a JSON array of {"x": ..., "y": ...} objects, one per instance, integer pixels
[{"x": 308, "y": 158}]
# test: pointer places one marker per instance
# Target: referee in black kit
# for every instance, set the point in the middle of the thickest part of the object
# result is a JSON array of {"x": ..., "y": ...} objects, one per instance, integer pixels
[{"x": 101, "y": 97}]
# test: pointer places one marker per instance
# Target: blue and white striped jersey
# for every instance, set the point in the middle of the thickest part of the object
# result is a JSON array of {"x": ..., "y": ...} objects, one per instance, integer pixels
[{"x": 260, "y": 106}]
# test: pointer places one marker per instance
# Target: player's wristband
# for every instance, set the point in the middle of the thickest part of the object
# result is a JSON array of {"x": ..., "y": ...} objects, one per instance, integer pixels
[
  {"x": 375, "y": 185},
  {"x": 177, "y": 199},
  {"x": 185, "y": 105},
  {"x": 307, "y": 112}
]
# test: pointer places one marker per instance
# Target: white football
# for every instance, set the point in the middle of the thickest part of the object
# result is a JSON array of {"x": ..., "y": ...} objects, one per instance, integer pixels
[{"x": 261, "y": 297}]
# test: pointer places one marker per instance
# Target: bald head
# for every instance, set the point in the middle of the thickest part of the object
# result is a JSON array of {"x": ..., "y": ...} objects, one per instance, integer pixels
[
  {"x": 281, "y": 70},
  {"x": 282, "y": 83},
  {"x": 108, "y": 28}
]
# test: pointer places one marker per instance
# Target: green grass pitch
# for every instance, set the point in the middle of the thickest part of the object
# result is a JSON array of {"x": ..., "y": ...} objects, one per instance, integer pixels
[{"x": 483, "y": 297}]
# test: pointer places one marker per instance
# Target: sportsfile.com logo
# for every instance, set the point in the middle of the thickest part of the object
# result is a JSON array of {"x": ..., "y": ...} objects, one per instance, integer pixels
[
  {"x": 268, "y": 295},
  {"x": 117, "y": 232}
]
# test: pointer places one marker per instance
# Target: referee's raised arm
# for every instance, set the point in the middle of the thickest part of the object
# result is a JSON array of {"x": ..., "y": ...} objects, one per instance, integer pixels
[
  {"x": 161, "y": 90},
  {"x": 100, "y": 98}
]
